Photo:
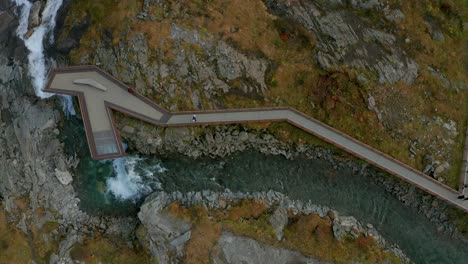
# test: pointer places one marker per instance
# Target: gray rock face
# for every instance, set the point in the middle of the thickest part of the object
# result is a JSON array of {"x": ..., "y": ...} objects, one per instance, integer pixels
[
  {"x": 344, "y": 38},
  {"x": 165, "y": 234},
  {"x": 366, "y": 4},
  {"x": 63, "y": 254},
  {"x": 217, "y": 141},
  {"x": 229, "y": 64},
  {"x": 434, "y": 30},
  {"x": 395, "y": 15},
  {"x": 456, "y": 85},
  {"x": 6, "y": 71},
  {"x": 233, "y": 249},
  {"x": 31, "y": 153},
  {"x": 6, "y": 19},
  {"x": 201, "y": 67},
  {"x": 5, "y": 4},
  {"x": 128, "y": 130},
  {"x": 196, "y": 99}
]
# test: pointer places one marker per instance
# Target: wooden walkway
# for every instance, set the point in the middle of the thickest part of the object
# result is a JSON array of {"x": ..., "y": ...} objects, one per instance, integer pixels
[{"x": 96, "y": 104}]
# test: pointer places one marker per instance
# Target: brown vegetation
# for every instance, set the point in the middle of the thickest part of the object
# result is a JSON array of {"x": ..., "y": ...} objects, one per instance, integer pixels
[
  {"x": 14, "y": 245},
  {"x": 106, "y": 250},
  {"x": 309, "y": 234}
]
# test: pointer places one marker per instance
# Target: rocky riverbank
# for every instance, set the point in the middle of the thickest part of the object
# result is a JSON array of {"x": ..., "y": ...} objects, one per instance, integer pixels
[
  {"x": 167, "y": 237},
  {"x": 221, "y": 141}
]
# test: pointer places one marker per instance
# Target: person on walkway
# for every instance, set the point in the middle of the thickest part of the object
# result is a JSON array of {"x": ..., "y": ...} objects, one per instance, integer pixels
[
  {"x": 194, "y": 118},
  {"x": 465, "y": 189},
  {"x": 463, "y": 196}
]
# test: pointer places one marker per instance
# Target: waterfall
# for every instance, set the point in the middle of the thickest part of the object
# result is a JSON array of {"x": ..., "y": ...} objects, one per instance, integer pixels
[
  {"x": 24, "y": 17},
  {"x": 67, "y": 104},
  {"x": 35, "y": 45}
]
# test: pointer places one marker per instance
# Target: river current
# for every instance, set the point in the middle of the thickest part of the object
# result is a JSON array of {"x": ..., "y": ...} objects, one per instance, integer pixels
[{"x": 118, "y": 187}]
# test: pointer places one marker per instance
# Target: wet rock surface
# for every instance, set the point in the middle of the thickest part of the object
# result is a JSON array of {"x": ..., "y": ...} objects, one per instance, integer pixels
[{"x": 35, "y": 14}]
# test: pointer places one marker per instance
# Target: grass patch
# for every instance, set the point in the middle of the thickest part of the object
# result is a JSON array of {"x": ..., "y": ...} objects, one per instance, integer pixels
[
  {"x": 14, "y": 245},
  {"x": 313, "y": 236},
  {"x": 205, "y": 232},
  {"x": 461, "y": 220},
  {"x": 448, "y": 56},
  {"x": 107, "y": 250}
]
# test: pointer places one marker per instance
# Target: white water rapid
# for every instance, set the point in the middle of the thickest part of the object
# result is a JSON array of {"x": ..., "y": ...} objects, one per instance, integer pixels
[
  {"x": 127, "y": 184},
  {"x": 35, "y": 45}
]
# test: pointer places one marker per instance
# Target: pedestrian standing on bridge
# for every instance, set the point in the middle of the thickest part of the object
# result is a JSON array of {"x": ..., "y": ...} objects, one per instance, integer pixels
[
  {"x": 463, "y": 196},
  {"x": 194, "y": 118},
  {"x": 465, "y": 188}
]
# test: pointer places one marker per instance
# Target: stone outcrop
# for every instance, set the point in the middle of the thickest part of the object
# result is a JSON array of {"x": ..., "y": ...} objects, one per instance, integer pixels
[
  {"x": 348, "y": 225},
  {"x": 278, "y": 220},
  {"x": 446, "y": 83}
]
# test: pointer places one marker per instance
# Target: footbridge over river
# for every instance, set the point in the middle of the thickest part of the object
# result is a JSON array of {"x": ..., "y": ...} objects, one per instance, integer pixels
[{"x": 99, "y": 93}]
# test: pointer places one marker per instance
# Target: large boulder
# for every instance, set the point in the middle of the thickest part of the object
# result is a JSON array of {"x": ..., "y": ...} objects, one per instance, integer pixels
[
  {"x": 232, "y": 249},
  {"x": 346, "y": 226},
  {"x": 35, "y": 14},
  {"x": 278, "y": 220}
]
